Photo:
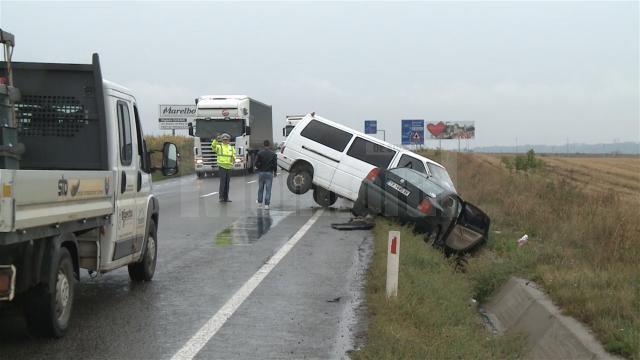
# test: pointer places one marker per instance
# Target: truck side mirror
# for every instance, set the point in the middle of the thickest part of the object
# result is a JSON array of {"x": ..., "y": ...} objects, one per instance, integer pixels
[
  {"x": 247, "y": 130},
  {"x": 169, "y": 159},
  {"x": 190, "y": 129}
]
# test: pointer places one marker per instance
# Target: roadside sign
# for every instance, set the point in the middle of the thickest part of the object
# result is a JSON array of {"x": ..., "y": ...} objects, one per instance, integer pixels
[
  {"x": 452, "y": 130},
  {"x": 370, "y": 126},
  {"x": 413, "y": 132},
  {"x": 175, "y": 117}
]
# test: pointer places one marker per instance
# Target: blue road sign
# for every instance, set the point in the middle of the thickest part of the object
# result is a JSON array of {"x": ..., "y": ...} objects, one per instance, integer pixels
[
  {"x": 371, "y": 126},
  {"x": 413, "y": 132}
]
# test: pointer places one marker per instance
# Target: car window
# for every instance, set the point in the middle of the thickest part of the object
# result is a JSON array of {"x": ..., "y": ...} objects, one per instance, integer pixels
[
  {"x": 442, "y": 175},
  {"x": 419, "y": 180},
  {"x": 412, "y": 163},
  {"x": 372, "y": 153},
  {"x": 326, "y": 135},
  {"x": 124, "y": 132}
]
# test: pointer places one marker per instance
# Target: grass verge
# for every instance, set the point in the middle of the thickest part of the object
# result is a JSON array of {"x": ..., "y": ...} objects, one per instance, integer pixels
[
  {"x": 432, "y": 317},
  {"x": 583, "y": 249}
]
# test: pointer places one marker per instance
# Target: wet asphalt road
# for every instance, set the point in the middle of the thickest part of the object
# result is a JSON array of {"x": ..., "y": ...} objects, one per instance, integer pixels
[{"x": 307, "y": 307}]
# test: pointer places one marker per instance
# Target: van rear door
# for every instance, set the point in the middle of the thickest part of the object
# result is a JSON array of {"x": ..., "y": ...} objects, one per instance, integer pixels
[{"x": 322, "y": 145}]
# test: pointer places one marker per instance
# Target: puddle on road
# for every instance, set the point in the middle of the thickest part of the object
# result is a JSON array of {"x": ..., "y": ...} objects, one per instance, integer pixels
[{"x": 247, "y": 230}]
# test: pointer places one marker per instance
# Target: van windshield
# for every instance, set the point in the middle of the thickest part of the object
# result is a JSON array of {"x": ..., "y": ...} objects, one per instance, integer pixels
[{"x": 442, "y": 175}]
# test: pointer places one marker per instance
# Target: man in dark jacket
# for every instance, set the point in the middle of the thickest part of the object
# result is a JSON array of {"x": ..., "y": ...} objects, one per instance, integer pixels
[{"x": 267, "y": 166}]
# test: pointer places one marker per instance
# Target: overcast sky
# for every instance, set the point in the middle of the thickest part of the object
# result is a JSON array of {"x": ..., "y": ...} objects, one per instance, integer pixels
[{"x": 541, "y": 72}]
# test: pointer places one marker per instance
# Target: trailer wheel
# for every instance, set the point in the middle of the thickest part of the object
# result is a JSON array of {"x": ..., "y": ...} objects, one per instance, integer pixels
[
  {"x": 49, "y": 306},
  {"x": 144, "y": 270},
  {"x": 324, "y": 197},
  {"x": 299, "y": 181}
]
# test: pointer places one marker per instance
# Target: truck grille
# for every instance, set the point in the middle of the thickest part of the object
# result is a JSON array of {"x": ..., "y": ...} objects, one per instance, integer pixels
[{"x": 208, "y": 156}]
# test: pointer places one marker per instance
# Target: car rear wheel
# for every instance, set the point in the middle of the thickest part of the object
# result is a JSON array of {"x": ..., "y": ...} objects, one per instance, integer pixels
[
  {"x": 324, "y": 197},
  {"x": 299, "y": 181}
]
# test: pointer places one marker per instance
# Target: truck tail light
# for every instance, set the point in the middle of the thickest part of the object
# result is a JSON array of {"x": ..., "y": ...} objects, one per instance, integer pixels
[
  {"x": 7, "y": 282},
  {"x": 373, "y": 174},
  {"x": 425, "y": 206}
]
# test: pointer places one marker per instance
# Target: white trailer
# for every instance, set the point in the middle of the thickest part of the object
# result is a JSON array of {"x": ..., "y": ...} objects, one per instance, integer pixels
[
  {"x": 290, "y": 122},
  {"x": 80, "y": 193},
  {"x": 248, "y": 121}
]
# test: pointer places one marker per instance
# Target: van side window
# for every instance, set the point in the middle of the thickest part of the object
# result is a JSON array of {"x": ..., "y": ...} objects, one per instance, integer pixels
[
  {"x": 412, "y": 163},
  {"x": 124, "y": 130},
  {"x": 326, "y": 135},
  {"x": 371, "y": 153}
]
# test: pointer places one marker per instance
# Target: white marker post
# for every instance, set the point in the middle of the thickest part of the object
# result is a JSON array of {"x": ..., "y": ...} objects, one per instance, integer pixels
[{"x": 393, "y": 263}]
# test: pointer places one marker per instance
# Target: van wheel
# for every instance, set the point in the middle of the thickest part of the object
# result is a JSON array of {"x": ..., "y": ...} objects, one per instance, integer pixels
[
  {"x": 299, "y": 181},
  {"x": 48, "y": 307},
  {"x": 324, "y": 197},
  {"x": 144, "y": 270}
]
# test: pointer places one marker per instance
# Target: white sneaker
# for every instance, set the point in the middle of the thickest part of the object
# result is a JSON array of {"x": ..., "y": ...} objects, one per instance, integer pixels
[
  {"x": 259, "y": 204},
  {"x": 266, "y": 207}
]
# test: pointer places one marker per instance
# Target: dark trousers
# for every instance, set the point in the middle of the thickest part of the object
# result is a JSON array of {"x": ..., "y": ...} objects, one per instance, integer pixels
[{"x": 225, "y": 177}]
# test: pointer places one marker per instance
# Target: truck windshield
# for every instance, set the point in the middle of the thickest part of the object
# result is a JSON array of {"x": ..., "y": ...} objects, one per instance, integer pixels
[
  {"x": 287, "y": 129},
  {"x": 209, "y": 128}
]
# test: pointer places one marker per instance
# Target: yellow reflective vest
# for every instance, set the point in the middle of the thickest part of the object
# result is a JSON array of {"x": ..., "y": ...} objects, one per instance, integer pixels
[{"x": 225, "y": 153}]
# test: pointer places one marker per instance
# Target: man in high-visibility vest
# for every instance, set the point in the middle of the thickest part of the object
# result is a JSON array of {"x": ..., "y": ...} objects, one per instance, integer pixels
[{"x": 225, "y": 157}]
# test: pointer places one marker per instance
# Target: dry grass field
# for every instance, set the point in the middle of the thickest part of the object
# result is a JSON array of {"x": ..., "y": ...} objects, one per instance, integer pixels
[{"x": 582, "y": 215}]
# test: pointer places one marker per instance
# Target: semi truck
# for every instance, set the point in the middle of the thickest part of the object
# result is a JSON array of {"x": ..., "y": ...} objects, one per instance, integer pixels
[
  {"x": 75, "y": 180},
  {"x": 290, "y": 122},
  {"x": 246, "y": 120}
]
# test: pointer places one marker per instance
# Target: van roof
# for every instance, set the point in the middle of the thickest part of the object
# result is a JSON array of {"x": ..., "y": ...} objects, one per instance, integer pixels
[{"x": 369, "y": 137}]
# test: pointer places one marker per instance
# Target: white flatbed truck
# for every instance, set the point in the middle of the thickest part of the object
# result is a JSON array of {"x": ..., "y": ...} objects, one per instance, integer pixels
[{"x": 75, "y": 186}]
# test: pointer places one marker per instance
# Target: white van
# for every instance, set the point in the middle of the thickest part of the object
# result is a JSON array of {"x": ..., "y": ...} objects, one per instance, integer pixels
[{"x": 333, "y": 159}]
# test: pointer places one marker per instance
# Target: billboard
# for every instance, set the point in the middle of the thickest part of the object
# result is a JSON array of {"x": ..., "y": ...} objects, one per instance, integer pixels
[
  {"x": 370, "y": 126},
  {"x": 413, "y": 132},
  {"x": 175, "y": 117},
  {"x": 452, "y": 130}
]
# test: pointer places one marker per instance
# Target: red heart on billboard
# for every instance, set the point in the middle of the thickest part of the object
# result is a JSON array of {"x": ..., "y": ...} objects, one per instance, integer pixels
[{"x": 436, "y": 129}]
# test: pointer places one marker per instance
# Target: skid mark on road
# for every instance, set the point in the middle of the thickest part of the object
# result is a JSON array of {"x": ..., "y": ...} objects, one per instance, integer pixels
[{"x": 211, "y": 327}]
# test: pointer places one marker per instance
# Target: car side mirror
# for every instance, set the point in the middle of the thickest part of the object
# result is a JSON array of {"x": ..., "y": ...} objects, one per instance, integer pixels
[
  {"x": 190, "y": 129},
  {"x": 169, "y": 159}
]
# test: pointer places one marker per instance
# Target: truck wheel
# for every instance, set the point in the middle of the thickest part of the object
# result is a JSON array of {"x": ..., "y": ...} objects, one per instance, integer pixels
[
  {"x": 324, "y": 197},
  {"x": 144, "y": 270},
  {"x": 49, "y": 306},
  {"x": 299, "y": 181}
]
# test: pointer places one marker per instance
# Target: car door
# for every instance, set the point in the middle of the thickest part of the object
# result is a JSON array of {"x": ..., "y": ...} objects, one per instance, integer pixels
[
  {"x": 126, "y": 193},
  {"x": 470, "y": 229},
  {"x": 361, "y": 157}
]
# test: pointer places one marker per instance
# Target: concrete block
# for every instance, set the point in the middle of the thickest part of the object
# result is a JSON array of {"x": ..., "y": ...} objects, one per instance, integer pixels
[{"x": 520, "y": 306}]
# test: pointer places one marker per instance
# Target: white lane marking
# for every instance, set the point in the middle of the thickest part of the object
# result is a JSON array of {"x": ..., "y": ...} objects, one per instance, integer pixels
[
  {"x": 209, "y": 194},
  {"x": 251, "y": 182},
  {"x": 208, "y": 330}
]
